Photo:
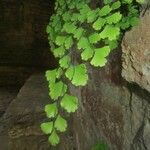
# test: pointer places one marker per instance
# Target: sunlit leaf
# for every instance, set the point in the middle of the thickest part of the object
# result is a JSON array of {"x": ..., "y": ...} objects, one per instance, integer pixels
[
  {"x": 116, "y": 5},
  {"x": 99, "y": 56},
  {"x": 107, "y": 1},
  {"x": 68, "y": 42},
  {"x": 83, "y": 43},
  {"x": 69, "y": 27},
  {"x": 60, "y": 40},
  {"x": 78, "y": 33},
  {"x": 87, "y": 54},
  {"x": 59, "y": 52},
  {"x": 51, "y": 75},
  {"x": 57, "y": 89},
  {"x": 91, "y": 16},
  {"x": 69, "y": 103},
  {"x": 99, "y": 23},
  {"x": 47, "y": 127},
  {"x": 110, "y": 32},
  {"x": 65, "y": 61},
  {"x": 114, "y": 18},
  {"x": 105, "y": 10},
  {"x": 60, "y": 124},
  {"x": 94, "y": 38},
  {"x": 74, "y": 73},
  {"x": 141, "y": 1},
  {"x": 51, "y": 110},
  {"x": 80, "y": 76},
  {"x": 54, "y": 138}
]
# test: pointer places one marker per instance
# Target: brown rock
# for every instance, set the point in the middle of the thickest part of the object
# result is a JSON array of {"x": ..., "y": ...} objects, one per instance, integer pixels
[{"x": 136, "y": 54}]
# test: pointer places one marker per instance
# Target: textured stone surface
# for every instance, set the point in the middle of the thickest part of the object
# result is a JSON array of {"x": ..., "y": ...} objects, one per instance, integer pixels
[
  {"x": 136, "y": 54},
  {"x": 7, "y": 94},
  {"x": 108, "y": 112},
  {"x": 20, "y": 124}
]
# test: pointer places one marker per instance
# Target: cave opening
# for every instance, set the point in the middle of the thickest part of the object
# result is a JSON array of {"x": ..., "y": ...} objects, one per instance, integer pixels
[{"x": 24, "y": 48}]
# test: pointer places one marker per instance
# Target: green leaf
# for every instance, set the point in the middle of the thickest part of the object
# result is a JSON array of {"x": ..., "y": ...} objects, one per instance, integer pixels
[
  {"x": 60, "y": 124},
  {"x": 82, "y": 18},
  {"x": 70, "y": 72},
  {"x": 133, "y": 11},
  {"x": 127, "y": 1},
  {"x": 99, "y": 56},
  {"x": 74, "y": 73},
  {"x": 112, "y": 44},
  {"x": 71, "y": 5},
  {"x": 55, "y": 20},
  {"x": 59, "y": 52},
  {"x": 69, "y": 103},
  {"x": 69, "y": 27},
  {"x": 124, "y": 23},
  {"x": 61, "y": 2},
  {"x": 100, "y": 146},
  {"x": 66, "y": 16},
  {"x": 99, "y": 23},
  {"x": 47, "y": 127},
  {"x": 134, "y": 21},
  {"x": 60, "y": 40},
  {"x": 65, "y": 61},
  {"x": 105, "y": 10},
  {"x": 78, "y": 33},
  {"x": 52, "y": 35},
  {"x": 83, "y": 43},
  {"x": 75, "y": 16},
  {"x": 114, "y": 18},
  {"x": 80, "y": 76},
  {"x": 84, "y": 9},
  {"x": 91, "y": 16},
  {"x": 87, "y": 54},
  {"x": 94, "y": 38},
  {"x": 59, "y": 73},
  {"x": 57, "y": 89},
  {"x": 54, "y": 138},
  {"x": 110, "y": 32},
  {"x": 48, "y": 29},
  {"x": 141, "y": 1},
  {"x": 68, "y": 42},
  {"x": 51, "y": 75},
  {"x": 107, "y": 1},
  {"x": 116, "y": 5},
  {"x": 51, "y": 110},
  {"x": 58, "y": 27}
]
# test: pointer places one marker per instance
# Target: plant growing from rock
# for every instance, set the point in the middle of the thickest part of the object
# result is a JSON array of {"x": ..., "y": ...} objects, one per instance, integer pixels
[{"x": 89, "y": 32}]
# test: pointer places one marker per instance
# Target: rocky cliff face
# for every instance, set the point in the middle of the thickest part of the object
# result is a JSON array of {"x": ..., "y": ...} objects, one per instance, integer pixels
[{"x": 114, "y": 107}]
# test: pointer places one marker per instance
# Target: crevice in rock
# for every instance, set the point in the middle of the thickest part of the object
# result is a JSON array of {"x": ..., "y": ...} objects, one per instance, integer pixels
[
  {"x": 138, "y": 141},
  {"x": 130, "y": 106},
  {"x": 135, "y": 88}
]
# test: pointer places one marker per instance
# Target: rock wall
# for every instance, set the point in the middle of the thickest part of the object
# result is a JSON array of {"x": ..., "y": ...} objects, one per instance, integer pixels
[{"x": 114, "y": 106}]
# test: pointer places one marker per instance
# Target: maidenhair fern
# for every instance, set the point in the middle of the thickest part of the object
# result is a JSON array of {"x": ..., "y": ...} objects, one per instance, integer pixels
[{"x": 93, "y": 33}]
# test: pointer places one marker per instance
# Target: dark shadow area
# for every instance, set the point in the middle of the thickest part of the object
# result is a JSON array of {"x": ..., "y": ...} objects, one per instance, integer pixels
[
  {"x": 24, "y": 47},
  {"x": 139, "y": 91}
]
